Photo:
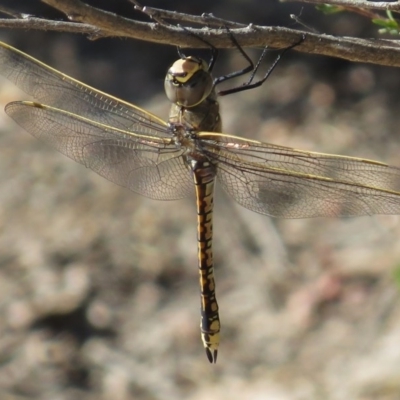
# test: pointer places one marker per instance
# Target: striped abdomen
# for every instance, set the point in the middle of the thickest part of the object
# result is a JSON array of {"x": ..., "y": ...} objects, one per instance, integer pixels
[{"x": 204, "y": 178}]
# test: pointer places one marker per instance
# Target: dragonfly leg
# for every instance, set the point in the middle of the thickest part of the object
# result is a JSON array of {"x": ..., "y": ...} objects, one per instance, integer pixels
[{"x": 250, "y": 84}]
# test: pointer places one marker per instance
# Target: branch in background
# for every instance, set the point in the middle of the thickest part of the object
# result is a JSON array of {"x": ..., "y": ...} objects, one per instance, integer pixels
[
  {"x": 361, "y": 11},
  {"x": 386, "y": 21},
  {"x": 372, "y": 5},
  {"x": 99, "y": 23}
]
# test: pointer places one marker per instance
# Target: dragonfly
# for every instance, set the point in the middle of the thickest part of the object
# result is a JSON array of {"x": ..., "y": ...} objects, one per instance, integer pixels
[{"x": 188, "y": 154}]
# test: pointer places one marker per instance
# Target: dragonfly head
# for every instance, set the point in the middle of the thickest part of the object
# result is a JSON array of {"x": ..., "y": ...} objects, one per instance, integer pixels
[{"x": 188, "y": 82}]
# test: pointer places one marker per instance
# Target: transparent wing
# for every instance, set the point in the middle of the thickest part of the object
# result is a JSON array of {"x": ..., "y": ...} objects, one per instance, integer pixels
[
  {"x": 284, "y": 182},
  {"x": 148, "y": 165},
  {"x": 49, "y": 86}
]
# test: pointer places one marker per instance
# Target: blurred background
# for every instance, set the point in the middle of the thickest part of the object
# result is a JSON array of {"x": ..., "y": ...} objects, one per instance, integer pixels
[{"x": 99, "y": 286}]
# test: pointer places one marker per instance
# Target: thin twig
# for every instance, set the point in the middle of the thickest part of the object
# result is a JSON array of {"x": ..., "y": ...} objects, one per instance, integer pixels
[
  {"x": 303, "y": 24},
  {"x": 160, "y": 16},
  {"x": 372, "y": 5},
  {"x": 150, "y": 12},
  {"x": 11, "y": 13},
  {"x": 47, "y": 25}
]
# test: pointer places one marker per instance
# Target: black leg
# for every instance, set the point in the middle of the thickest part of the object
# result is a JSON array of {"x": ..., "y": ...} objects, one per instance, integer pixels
[
  {"x": 241, "y": 72},
  {"x": 250, "y": 84}
]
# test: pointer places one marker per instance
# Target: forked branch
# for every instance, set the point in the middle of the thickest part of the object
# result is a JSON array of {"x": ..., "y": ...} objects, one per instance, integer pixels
[{"x": 99, "y": 23}]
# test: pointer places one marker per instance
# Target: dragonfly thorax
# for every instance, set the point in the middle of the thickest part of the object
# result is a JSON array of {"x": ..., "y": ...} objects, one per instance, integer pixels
[{"x": 188, "y": 82}]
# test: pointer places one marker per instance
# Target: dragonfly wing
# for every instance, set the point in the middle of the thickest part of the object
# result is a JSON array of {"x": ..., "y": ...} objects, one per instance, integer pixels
[
  {"x": 49, "y": 86},
  {"x": 148, "y": 165},
  {"x": 289, "y": 183}
]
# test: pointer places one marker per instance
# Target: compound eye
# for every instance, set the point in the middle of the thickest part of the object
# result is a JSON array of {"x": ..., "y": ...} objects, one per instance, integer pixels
[{"x": 188, "y": 82}]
